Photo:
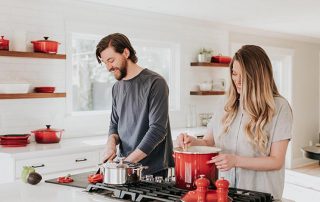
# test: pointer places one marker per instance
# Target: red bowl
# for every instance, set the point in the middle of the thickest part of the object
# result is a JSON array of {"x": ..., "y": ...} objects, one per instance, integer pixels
[
  {"x": 14, "y": 143},
  {"x": 15, "y": 137},
  {"x": 44, "y": 89}
]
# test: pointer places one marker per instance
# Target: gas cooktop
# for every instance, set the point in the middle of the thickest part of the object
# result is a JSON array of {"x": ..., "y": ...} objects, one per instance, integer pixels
[
  {"x": 146, "y": 191},
  {"x": 153, "y": 191}
]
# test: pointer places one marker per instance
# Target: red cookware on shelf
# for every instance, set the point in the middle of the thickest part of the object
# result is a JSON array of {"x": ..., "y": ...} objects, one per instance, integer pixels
[
  {"x": 203, "y": 194},
  {"x": 48, "y": 135},
  {"x": 14, "y": 140},
  {"x": 45, "y": 46},
  {"x": 44, "y": 89},
  {"x": 4, "y": 43},
  {"x": 191, "y": 162},
  {"x": 221, "y": 59}
]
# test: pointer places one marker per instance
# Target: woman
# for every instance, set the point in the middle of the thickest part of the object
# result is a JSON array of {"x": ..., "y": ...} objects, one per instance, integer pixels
[{"x": 252, "y": 126}]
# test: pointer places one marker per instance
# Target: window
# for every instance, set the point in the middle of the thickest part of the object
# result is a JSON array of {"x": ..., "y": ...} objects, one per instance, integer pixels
[{"x": 92, "y": 83}]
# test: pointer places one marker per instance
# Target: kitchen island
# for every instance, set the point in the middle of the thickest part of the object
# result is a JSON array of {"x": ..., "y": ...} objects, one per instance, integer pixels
[{"x": 21, "y": 192}]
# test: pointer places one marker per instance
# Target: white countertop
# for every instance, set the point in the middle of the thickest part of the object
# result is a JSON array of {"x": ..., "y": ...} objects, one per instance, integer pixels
[
  {"x": 80, "y": 144},
  {"x": 22, "y": 192},
  {"x": 65, "y": 145}
]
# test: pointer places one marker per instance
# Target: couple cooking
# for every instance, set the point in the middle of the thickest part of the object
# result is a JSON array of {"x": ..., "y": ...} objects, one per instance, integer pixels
[{"x": 252, "y": 124}]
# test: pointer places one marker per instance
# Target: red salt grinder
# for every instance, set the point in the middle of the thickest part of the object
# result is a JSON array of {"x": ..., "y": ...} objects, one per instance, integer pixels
[
  {"x": 222, "y": 190},
  {"x": 202, "y": 184}
]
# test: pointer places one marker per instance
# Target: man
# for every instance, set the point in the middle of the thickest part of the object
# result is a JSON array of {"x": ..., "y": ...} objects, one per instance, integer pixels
[{"x": 139, "y": 119}]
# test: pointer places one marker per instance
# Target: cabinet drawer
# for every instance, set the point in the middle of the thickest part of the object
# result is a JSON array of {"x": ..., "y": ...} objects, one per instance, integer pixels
[{"x": 52, "y": 164}]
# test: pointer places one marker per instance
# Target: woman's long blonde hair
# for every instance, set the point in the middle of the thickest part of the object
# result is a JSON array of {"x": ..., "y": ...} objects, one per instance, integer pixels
[{"x": 257, "y": 95}]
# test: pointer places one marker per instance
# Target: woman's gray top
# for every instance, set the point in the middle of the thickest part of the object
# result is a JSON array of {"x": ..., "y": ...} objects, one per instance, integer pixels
[{"x": 236, "y": 142}]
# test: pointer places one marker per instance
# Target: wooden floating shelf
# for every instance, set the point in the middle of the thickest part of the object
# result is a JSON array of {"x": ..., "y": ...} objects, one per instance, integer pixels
[
  {"x": 209, "y": 64},
  {"x": 207, "y": 92},
  {"x": 32, "y": 55},
  {"x": 32, "y": 95}
]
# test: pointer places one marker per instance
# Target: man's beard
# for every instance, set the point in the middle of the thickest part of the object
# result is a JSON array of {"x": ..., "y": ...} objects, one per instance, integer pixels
[{"x": 123, "y": 72}]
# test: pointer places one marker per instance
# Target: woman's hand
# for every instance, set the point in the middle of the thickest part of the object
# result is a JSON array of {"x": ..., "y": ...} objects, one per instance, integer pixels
[
  {"x": 224, "y": 162},
  {"x": 184, "y": 140}
]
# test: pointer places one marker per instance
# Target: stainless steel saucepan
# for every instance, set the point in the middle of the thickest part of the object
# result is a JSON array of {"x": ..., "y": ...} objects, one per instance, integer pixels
[{"x": 122, "y": 172}]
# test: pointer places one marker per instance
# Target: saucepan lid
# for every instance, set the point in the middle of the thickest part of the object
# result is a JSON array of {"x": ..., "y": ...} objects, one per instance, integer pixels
[{"x": 119, "y": 163}]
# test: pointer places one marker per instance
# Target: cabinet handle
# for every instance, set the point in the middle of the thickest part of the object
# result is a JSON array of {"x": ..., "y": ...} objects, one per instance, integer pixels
[
  {"x": 79, "y": 160},
  {"x": 39, "y": 166}
]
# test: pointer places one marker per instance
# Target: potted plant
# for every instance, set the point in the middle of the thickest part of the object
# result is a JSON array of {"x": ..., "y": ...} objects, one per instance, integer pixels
[{"x": 204, "y": 55}]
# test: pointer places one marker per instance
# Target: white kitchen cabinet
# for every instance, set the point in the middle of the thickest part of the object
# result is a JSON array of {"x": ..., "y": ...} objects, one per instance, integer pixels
[
  {"x": 53, "y": 164},
  {"x": 67, "y": 156}
]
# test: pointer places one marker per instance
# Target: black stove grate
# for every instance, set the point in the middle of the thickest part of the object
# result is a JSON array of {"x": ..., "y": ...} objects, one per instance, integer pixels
[{"x": 153, "y": 191}]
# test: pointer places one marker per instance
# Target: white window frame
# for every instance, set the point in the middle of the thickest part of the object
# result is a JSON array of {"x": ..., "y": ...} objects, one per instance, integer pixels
[{"x": 173, "y": 83}]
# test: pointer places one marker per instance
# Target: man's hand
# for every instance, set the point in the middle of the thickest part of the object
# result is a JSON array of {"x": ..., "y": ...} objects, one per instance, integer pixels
[
  {"x": 111, "y": 151},
  {"x": 136, "y": 156}
]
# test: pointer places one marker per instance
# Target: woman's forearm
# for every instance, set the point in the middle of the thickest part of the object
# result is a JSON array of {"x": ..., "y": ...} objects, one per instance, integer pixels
[
  {"x": 259, "y": 163},
  {"x": 274, "y": 161}
]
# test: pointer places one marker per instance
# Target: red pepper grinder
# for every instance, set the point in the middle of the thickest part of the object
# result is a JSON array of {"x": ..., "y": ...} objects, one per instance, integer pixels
[
  {"x": 222, "y": 190},
  {"x": 202, "y": 193},
  {"x": 202, "y": 187}
]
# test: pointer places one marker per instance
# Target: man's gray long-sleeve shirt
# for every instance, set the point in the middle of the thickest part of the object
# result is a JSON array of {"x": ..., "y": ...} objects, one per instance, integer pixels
[{"x": 140, "y": 118}]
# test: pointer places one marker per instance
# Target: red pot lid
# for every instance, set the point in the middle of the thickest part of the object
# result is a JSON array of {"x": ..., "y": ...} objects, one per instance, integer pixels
[
  {"x": 3, "y": 39},
  {"x": 48, "y": 129},
  {"x": 45, "y": 40}
]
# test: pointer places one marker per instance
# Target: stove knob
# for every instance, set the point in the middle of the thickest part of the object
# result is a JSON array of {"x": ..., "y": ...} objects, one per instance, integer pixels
[
  {"x": 159, "y": 179},
  {"x": 149, "y": 178}
]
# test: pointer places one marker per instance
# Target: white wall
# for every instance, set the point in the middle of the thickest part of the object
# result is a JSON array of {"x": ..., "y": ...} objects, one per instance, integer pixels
[{"x": 59, "y": 18}]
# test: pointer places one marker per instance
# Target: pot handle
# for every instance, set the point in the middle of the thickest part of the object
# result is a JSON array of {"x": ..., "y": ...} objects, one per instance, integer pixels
[{"x": 46, "y": 37}]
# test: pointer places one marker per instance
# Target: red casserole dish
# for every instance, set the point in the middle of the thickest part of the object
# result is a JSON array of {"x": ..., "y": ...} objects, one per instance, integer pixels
[
  {"x": 45, "y": 46},
  {"x": 221, "y": 59},
  {"x": 15, "y": 137},
  {"x": 47, "y": 135},
  {"x": 14, "y": 140},
  {"x": 4, "y": 43},
  {"x": 47, "y": 89},
  {"x": 14, "y": 143}
]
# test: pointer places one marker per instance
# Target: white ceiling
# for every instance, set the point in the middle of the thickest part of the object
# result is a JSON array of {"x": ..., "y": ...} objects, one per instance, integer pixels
[{"x": 298, "y": 17}]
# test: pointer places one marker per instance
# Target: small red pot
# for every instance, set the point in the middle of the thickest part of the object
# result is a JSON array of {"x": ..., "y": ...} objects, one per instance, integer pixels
[
  {"x": 47, "y": 135},
  {"x": 190, "y": 164},
  {"x": 45, "y": 46},
  {"x": 4, "y": 43},
  {"x": 221, "y": 59}
]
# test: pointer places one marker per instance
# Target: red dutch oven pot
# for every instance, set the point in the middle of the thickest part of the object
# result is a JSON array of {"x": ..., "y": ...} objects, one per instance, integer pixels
[
  {"x": 190, "y": 164},
  {"x": 45, "y": 46},
  {"x": 221, "y": 59},
  {"x": 47, "y": 135},
  {"x": 4, "y": 43}
]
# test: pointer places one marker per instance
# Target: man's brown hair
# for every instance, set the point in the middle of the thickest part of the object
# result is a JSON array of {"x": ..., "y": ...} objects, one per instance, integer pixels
[{"x": 119, "y": 42}]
